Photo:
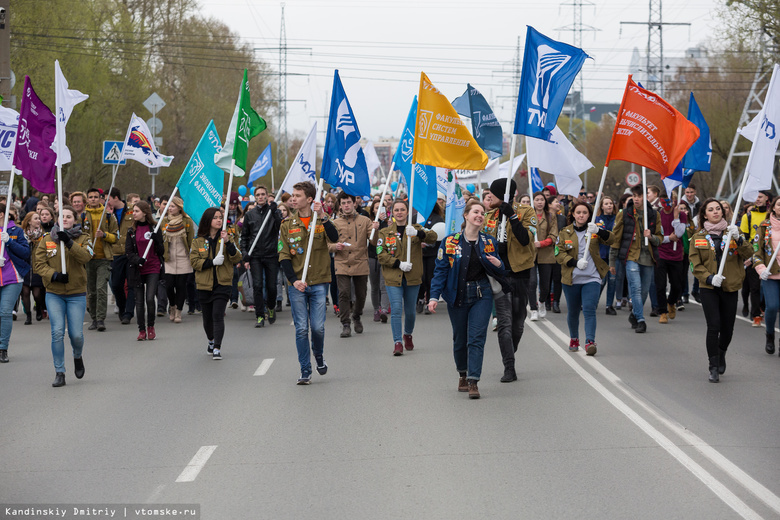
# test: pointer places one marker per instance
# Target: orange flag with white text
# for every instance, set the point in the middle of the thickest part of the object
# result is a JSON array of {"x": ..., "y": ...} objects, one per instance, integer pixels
[
  {"x": 442, "y": 139},
  {"x": 650, "y": 132}
]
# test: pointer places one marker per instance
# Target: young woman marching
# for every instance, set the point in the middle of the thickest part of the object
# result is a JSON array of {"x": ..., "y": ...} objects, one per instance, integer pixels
[
  {"x": 765, "y": 243},
  {"x": 546, "y": 234},
  {"x": 178, "y": 232},
  {"x": 33, "y": 283},
  {"x": 378, "y": 291},
  {"x": 214, "y": 274},
  {"x": 581, "y": 278},
  {"x": 719, "y": 293},
  {"x": 605, "y": 219},
  {"x": 48, "y": 218},
  {"x": 15, "y": 265},
  {"x": 463, "y": 264},
  {"x": 66, "y": 294},
  {"x": 402, "y": 278},
  {"x": 144, "y": 274}
]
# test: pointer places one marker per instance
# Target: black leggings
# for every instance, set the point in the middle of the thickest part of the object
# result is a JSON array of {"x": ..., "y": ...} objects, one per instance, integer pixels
[
  {"x": 39, "y": 294},
  {"x": 176, "y": 286},
  {"x": 720, "y": 311},
  {"x": 213, "y": 304},
  {"x": 544, "y": 284},
  {"x": 151, "y": 281}
]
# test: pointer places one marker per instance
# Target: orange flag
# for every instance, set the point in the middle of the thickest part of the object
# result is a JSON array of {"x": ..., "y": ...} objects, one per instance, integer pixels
[
  {"x": 442, "y": 138},
  {"x": 650, "y": 132}
]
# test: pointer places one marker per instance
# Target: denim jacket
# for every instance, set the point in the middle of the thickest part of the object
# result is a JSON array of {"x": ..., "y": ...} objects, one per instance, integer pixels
[{"x": 452, "y": 260}]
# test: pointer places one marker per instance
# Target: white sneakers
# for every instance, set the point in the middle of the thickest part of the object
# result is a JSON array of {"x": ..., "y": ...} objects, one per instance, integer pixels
[
  {"x": 534, "y": 315},
  {"x": 542, "y": 310}
]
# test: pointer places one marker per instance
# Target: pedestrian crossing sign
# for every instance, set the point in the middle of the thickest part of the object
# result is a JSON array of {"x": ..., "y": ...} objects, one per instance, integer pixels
[{"x": 111, "y": 152}]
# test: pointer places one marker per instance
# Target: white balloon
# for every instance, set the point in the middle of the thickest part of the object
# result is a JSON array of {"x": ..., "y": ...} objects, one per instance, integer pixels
[{"x": 440, "y": 229}]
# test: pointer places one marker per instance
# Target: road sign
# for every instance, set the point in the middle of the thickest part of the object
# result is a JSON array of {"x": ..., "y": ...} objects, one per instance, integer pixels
[
  {"x": 158, "y": 141},
  {"x": 154, "y": 171},
  {"x": 111, "y": 152},
  {"x": 154, "y": 103},
  {"x": 633, "y": 178},
  {"x": 155, "y": 125}
]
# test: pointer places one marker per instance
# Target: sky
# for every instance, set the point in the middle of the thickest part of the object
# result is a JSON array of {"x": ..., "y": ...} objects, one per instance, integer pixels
[{"x": 380, "y": 48}]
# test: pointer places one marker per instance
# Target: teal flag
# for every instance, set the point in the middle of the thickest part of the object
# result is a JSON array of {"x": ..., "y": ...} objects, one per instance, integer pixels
[{"x": 201, "y": 183}]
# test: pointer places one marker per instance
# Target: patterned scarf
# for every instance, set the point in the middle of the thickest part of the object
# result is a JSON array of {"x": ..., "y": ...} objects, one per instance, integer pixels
[{"x": 175, "y": 227}]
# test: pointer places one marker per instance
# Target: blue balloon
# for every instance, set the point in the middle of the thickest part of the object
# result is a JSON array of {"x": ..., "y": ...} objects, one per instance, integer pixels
[
  {"x": 394, "y": 186},
  {"x": 471, "y": 188},
  {"x": 242, "y": 190}
]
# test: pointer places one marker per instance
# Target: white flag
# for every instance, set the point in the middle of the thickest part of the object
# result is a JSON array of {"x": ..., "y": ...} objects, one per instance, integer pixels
[
  {"x": 559, "y": 157},
  {"x": 494, "y": 170},
  {"x": 139, "y": 145},
  {"x": 9, "y": 124},
  {"x": 65, "y": 99},
  {"x": 763, "y": 131},
  {"x": 303, "y": 167},
  {"x": 372, "y": 160}
]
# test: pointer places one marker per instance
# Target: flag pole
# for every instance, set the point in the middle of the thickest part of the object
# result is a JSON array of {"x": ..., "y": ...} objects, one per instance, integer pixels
[
  {"x": 381, "y": 199},
  {"x": 409, "y": 216},
  {"x": 644, "y": 203},
  {"x": 105, "y": 206},
  {"x": 502, "y": 235},
  {"x": 595, "y": 205},
  {"x": 679, "y": 201},
  {"x": 62, "y": 203},
  {"x": 227, "y": 205},
  {"x": 159, "y": 222},
  {"x": 7, "y": 207},
  {"x": 266, "y": 219},
  {"x": 312, "y": 227},
  {"x": 272, "y": 179}
]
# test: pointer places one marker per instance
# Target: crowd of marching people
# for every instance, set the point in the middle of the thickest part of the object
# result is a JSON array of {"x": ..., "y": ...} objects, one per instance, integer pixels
[{"x": 513, "y": 259}]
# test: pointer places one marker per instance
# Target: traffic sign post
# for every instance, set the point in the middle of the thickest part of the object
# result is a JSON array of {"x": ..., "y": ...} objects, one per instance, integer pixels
[
  {"x": 633, "y": 178},
  {"x": 112, "y": 150},
  {"x": 154, "y": 104}
]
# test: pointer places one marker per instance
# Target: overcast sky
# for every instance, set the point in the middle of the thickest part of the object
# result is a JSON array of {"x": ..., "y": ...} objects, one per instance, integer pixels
[{"x": 380, "y": 47}]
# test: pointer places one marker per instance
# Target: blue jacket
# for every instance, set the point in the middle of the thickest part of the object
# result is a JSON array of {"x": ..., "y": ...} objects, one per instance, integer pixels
[
  {"x": 605, "y": 222},
  {"x": 449, "y": 276},
  {"x": 18, "y": 251}
]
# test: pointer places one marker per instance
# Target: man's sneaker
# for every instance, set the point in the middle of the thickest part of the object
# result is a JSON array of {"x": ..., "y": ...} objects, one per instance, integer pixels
[
  {"x": 542, "y": 310},
  {"x": 757, "y": 321},
  {"x": 534, "y": 315},
  {"x": 697, "y": 297},
  {"x": 654, "y": 312},
  {"x": 377, "y": 315},
  {"x": 304, "y": 379},
  {"x": 126, "y": 320},
  {"x": 279, "y": 306},
  {"x": 680, "y": 305},
  {"x": 322, "y": 367},
  {"x": 271, "y": 315},
  {"x": 590, "y": 348},
  {"x": 260, "y": 322},
  {"x": 346, "y": 331},
  {"x": 574, "y": 344},
  {"x": 216, "y": 354},
  {"x": 641, "y": 327},
  {"x": 160, "y": 313},
  {"x": 632, "y": 319},
  {"x": 420, "y": 305},
  {"x": 93, "y": 325},
  {"x": 210, "y": 348},
  {"x": 611, "y": 311},
  {"x": 473, "y": 390},
  {"x": 463, "y": 384},
  {"x": 745, "y": 311},
  {"x": 234, "y": 305},
  {"x": 398, "y": 349},
  {"x": 509, "y": 375},
  {"x": 358, "y": 325},
  {"x": 685, "y": 299},
  {"x": 101, "y": 326}
]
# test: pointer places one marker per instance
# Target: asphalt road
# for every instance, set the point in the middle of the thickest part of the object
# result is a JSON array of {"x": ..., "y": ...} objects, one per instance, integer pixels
[{"x": 636, "y": 432}]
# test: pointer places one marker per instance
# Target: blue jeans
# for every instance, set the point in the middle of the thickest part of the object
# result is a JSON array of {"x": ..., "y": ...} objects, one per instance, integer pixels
[
  {"x": 771, "y": 290},
  {"x": 469, "y": 328},
  {"x": 583, "y": 296},
  {"x": 639, "y": 278},
  {"x": 308, "y": 310},
  {"x": 402, "y": 300},
  {"x": 8, "y": 296},
  {"x": 64, "y": 309}
]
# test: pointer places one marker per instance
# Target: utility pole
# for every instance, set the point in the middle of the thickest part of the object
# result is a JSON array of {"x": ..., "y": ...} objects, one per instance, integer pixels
[
  {"x": 5, "y": 54},
  {"x": 281, "y": 143}
]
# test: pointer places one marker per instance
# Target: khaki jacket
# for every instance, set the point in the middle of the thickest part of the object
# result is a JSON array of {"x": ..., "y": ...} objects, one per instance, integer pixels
[
  {"x": 118, "y": 248},
  {"x": 200, "y": 252},
  {"x": 47, "y": 260},
  {"x": 520, "y": 257},
  {"x": 390, "y": 247},
  {"x": 702, "y": 256},
  {"x": 103, "y": 246},
  {"x": 355, "y": 230},
  {"x": 762, "y": 247},
  {"x": 189, "y": 235},
  {"x": 546, "y": 228},
  {"x": 293, "y": 241},
  {"x": 567, "y": 248}
]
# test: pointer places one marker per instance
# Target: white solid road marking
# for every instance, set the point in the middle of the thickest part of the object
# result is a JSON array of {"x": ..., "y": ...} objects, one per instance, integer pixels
[
  {"x": 264, "y": 366},
  {"x": 196, "y": 464},
  {"x": 719, "y": 489}
]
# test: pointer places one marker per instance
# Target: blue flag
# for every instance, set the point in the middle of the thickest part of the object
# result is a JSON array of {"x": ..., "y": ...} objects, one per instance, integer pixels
[
  {"x": 549, "y": 69},
  {"x": 425, "y": 193},
  {"x": 262, "y": 165},
  {"x": 453, "y": 216},
  {"x": 484, "y": 123},
  {"x": 343, "y": 163},
  {"x": 699, "y": 156},
  {"x": 201, "y": 183},
  {"x": 536, "y": 181}
]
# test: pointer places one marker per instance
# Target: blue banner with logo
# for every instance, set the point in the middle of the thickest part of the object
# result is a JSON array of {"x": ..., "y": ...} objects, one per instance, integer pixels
[
  {"x": 549, "y": 69},
  {"x": 536, "y": 181},
  {"x": 201, "y": 183},
  {"x": 425, "y": 192},
  {"x": 262, "y": 165},
  {"x": 699, "y": 156},
  {"x": 343, "y": 163},
  {"x": 484, "y": 123}
]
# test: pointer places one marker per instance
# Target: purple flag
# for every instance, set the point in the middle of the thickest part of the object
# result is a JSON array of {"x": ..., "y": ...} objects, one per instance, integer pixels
[{"x": 33, "y": 155}]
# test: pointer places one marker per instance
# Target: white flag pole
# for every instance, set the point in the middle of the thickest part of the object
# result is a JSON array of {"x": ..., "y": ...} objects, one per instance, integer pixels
[
  {"x": 312, "y": 227},
  {"x": 595, "y": 205},
  {"x": 227, "y": 205},
  {"x": 409, "y": 214},
  {"x": 62, "y": 203},
  {"x": 159, "y": 222},
  {"x": 644, "y": 199},
  {"x": 266, "y": 219},
  {"x": 105, "y": 206},
  {"x": 273, "y": 189},
  {"x": 7, "y": 207},
  {"x": 502, "y": 235},
  {"x": 679, "y": 201},
  {"x": 774, "y": 257},
  {"x": 382, "y": 199}
]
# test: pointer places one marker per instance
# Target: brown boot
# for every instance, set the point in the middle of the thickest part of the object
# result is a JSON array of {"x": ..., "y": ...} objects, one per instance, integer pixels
[
  {"x": 664, "y": 318},
  {"x": 177, "y": 316},
  {"x": 672, "y": 310},
  {"x": 473, "y": 390},
  {"x": 398, "y": 349},
  {"x": 463, "y": 384},
  {"x": 172, "y": 312},
  {"x": 408, "y": 342}
]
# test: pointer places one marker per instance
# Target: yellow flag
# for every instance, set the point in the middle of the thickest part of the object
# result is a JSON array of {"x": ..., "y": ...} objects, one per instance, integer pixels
[{"x": 442, "y": 138}]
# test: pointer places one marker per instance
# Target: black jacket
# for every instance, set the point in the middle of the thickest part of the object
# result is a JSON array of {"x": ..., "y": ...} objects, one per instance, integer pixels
[{"x": 267, "y": 243}]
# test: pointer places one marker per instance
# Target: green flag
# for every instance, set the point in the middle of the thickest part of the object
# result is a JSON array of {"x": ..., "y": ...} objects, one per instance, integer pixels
[{"x": 244, "y": 125}]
